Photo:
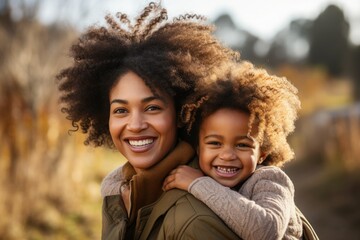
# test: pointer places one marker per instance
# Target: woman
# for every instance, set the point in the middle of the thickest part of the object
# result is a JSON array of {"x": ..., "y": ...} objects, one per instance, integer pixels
[{"x": 124, "y": 90}]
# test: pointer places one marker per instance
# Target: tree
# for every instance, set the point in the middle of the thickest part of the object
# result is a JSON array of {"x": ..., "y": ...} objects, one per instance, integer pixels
[
  {"x": 329, "y": 40},
  {"x": 356, "y": 72}
]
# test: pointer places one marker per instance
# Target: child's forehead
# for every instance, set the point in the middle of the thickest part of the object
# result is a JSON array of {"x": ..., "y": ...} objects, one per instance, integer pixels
[
  {"x": 239, "y": 116},
  {"x": 221, "y": 111},
  {"x": 222, "y": 118}
]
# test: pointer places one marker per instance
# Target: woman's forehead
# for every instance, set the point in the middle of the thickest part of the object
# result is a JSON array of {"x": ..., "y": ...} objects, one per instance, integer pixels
[{"x": 131, "y": 83}]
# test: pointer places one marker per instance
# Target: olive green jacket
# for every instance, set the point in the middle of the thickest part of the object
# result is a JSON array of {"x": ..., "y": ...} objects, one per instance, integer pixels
[
  {"x": 154, "y": 214},
  {"x": 179, "y": 215},
  {"x": 176, "y": 215}
]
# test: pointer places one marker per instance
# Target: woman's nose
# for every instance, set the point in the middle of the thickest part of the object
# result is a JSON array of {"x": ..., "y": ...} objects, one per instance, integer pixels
[
  {"x": 136, "y": 123},
  {"x": 227, "y": 154}
]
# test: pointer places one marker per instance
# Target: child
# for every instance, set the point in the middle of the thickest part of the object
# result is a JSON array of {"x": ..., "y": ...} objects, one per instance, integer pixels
[{"x": 240, "y": 126}]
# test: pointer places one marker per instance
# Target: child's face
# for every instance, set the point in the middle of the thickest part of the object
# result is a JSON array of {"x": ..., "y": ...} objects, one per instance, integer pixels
[{"x": 225, "y": 151}]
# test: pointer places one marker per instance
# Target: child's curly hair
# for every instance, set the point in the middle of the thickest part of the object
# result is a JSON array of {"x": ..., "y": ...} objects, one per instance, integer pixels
[
  {"x": 170, "y": 56},
  {"x": 271, "y": 101}
]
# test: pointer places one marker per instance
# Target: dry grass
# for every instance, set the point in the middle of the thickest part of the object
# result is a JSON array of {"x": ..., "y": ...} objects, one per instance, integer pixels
[
  {"x": 327, "y": 165},
  {"x": 317, "y": 90},
  {"x": 330, "y": 137},
  {"x": 45, "y": 174},
  {"x": 328, "y": 130}
]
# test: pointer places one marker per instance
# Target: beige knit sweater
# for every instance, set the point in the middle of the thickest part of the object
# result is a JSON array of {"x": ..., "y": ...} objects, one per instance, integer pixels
[{"x": 263, "y": 208}]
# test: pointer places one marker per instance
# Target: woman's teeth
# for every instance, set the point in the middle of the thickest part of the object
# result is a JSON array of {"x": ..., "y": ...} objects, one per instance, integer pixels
[{"x": 138, "y": 143}]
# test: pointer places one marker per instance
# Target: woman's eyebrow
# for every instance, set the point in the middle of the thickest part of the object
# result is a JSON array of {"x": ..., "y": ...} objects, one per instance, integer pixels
[
  {"x": 121, "y": 101},
  {"x": 145, "y": 100},
  {"x": 149, "y": 99}
]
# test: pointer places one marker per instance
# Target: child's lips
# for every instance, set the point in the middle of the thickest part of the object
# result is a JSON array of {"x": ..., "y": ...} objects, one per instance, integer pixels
[{"x": 226, "y": 171}]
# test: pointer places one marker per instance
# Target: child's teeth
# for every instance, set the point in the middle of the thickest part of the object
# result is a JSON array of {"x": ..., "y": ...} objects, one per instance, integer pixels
[{"x": 227, "y": 170}]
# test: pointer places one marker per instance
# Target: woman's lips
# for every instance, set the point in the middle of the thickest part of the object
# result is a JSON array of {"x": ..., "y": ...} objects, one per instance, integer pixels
[{"x": 140, "y": 145}]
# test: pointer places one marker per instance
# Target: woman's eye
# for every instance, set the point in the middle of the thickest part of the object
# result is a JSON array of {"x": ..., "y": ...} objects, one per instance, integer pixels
[
  {"x": 152, "y": 108},
  {"x": 120, "y": 111}
]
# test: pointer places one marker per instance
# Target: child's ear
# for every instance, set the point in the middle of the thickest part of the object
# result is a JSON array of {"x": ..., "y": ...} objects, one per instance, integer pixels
[{"x": 262, "y": 157}]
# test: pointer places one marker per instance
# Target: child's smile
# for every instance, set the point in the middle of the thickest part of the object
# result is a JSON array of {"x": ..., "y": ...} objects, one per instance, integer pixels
[{"x": 226, "y": 153}]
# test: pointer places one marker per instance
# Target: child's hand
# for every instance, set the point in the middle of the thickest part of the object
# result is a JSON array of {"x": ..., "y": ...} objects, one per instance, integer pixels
[{"x": 181, "y": 177}]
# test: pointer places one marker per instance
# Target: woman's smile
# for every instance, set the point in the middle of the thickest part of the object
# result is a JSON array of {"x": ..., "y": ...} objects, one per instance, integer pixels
[{"x": 141, "y": 143}]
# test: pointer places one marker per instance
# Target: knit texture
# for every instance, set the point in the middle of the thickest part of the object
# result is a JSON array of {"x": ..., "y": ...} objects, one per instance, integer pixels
[
  {"x": 112, "y": 182},
  {"x": 263, "y": 208}
]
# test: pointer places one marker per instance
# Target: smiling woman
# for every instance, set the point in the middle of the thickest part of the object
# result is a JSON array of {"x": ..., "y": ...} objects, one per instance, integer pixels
[
  {"x": 142, "y": 125},
  {"x": 125, "y": 90}
]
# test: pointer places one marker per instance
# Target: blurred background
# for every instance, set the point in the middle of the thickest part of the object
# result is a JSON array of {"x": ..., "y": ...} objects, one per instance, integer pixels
[{"x": 50, "y": 181}]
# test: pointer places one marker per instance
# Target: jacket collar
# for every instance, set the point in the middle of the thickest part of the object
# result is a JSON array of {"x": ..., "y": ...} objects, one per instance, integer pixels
[{"x": 146, "y": 186}]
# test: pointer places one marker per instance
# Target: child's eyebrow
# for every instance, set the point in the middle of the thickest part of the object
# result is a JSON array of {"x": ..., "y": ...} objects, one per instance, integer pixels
[
  {"x": 220, "y": 136},
  {"x": 213, "y": 136}
]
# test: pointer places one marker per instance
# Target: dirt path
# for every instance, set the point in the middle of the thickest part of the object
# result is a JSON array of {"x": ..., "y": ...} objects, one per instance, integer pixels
[{"x": 329, "y": 223}]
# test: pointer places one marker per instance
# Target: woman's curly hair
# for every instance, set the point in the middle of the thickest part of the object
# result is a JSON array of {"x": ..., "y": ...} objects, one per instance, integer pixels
[
  {"x": 170, "y": 56},
  {"x": 271, "y": 101}
]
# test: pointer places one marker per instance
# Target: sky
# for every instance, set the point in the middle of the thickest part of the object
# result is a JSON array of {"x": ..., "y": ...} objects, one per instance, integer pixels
[{"x": 263, "y": 18}]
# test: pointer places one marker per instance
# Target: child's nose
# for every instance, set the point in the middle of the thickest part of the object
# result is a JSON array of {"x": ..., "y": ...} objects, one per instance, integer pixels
[{"x": 227, "y": 154}]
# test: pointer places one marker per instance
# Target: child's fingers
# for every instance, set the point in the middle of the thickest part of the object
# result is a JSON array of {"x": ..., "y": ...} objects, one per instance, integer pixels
[
  {"x": 167, "y": 185},
  {"x": 173, "y": 171}
]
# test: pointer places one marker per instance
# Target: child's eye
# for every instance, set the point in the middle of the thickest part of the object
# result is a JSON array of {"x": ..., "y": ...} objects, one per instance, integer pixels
[
  {"x": 213, "y": 143},
  {"x": 243, "y": 145}
]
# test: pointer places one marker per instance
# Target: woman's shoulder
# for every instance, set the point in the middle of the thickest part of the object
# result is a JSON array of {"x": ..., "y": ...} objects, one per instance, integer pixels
[
  {"x": 181, "y": 203},
  {"x": 188, "y": 217}
]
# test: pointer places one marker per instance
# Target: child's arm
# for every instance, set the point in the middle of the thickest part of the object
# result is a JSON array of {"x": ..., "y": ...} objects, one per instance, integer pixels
[
  {"x": 111, "y": 183},
  {"x": 261, "y": 210},
  {"x": 181, "y": 177}
]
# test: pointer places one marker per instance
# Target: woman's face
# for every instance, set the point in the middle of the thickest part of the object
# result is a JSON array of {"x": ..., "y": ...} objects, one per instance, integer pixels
[
  {"x": 225, "y": 151},
  {"x": 142, "y": 126}
]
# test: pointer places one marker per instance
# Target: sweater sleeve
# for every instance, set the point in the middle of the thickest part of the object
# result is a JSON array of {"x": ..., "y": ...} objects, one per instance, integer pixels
[
  {"x": 260, "y": 210},
  {"x": 111, "y": 183}
]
